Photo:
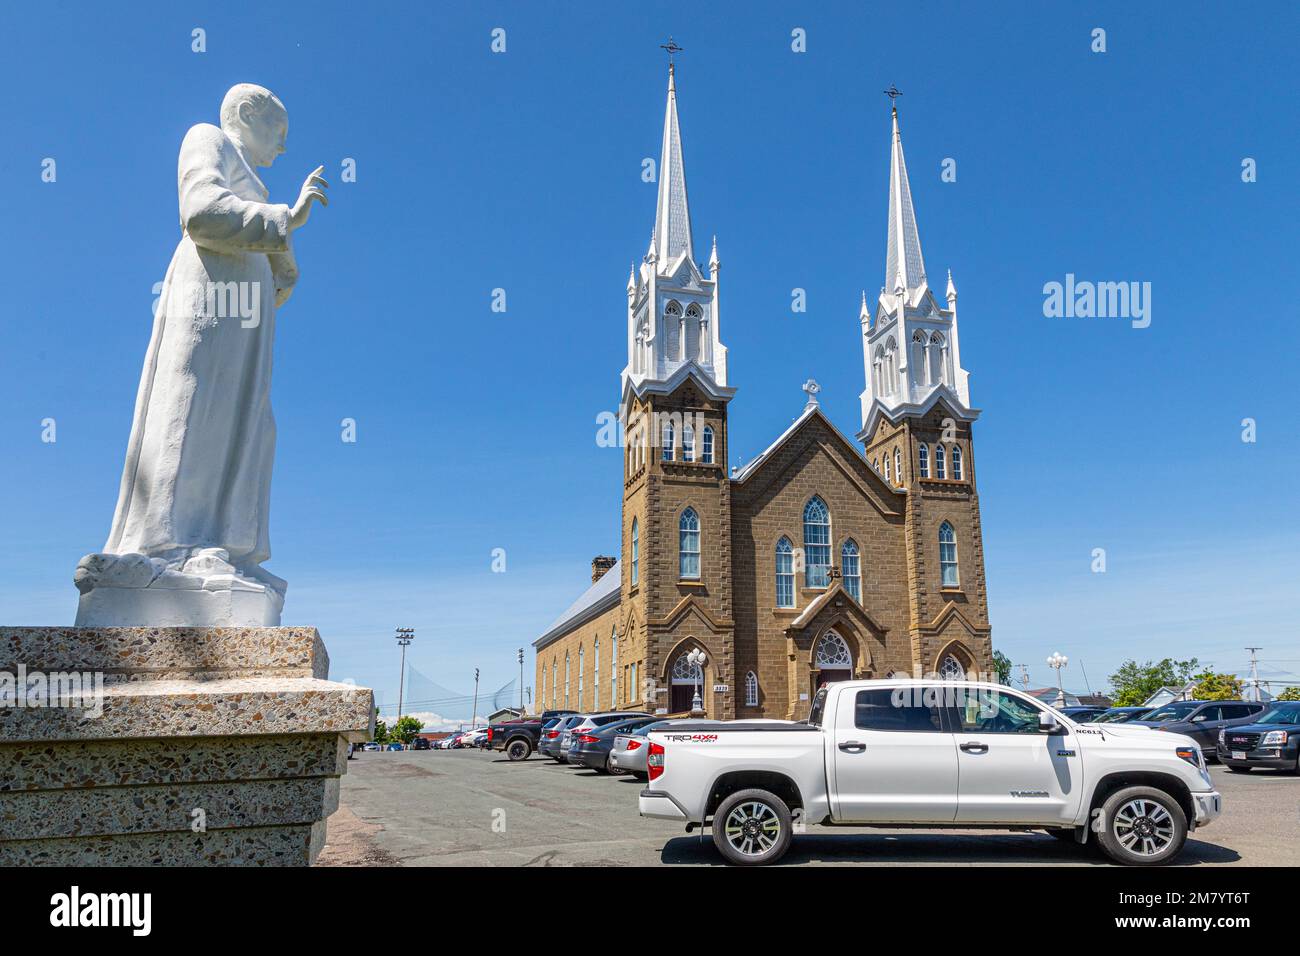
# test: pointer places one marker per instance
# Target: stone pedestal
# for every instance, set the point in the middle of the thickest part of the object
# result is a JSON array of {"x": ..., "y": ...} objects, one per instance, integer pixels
[{"x": 206, "y": 746}]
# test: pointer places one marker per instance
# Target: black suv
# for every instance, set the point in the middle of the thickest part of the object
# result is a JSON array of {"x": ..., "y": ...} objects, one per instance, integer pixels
[
  {"x": 1201, "y": 719},
  {"x": 1273, "y": 740}
]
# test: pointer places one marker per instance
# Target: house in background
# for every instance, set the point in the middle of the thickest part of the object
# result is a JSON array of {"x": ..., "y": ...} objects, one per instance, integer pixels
[
  {"x": 1167, "y": 695},
  {"x": 1048, "y": 696}
]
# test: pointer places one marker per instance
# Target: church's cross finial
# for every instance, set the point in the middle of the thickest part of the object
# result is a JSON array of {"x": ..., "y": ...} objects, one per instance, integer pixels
[
  {"x": 893, "y": 93},
  {"x": 812, "y": 388},
  {"x": 672, "y": 47}
]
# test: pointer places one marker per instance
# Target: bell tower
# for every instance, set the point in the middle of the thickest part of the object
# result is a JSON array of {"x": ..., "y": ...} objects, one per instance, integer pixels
[
  {"x": 676, "y": 564},
  {"x": 917, "y": 424}
]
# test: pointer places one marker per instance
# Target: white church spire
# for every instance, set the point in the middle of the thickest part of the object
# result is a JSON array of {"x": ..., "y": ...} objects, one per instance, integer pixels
[
  {"x": 904, "y": 266},
  {"x": 672, "y": 215},
  {"x": 673, "y": 306}
]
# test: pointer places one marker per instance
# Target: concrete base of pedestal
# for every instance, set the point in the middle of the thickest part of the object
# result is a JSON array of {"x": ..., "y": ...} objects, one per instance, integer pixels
[{"x": 206, "y": 746}]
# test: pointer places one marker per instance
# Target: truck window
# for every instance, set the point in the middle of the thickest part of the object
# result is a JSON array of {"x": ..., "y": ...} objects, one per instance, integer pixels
[
  {"x": 994, "y": 712},
  {"x": 818, "y": 708},
  {"x": 908, "y": 711}
]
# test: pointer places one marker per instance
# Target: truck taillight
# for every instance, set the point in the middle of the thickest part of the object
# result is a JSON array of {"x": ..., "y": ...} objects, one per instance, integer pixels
[
  {"x": 654, "y": 761},
  {"x": 489, "y": 734},
  {"x": 634, "y": 745}
]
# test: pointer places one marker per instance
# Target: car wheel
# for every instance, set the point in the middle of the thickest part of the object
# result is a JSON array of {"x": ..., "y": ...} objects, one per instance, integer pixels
[
  {"x": 609, "y": 766},
  {"x": 752, "y": 828},
  {"x": 1232, "y": 769},
  {"x": 518, "y": 750},
  {"x": 1142, "y": 826}
]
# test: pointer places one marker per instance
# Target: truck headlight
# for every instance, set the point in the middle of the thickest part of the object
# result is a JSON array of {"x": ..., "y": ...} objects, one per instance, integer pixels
[
  {"x": 1274, "y": 738},
  {"x": 1191, "y": 754},
  {"x": 1221, "y": 742}
]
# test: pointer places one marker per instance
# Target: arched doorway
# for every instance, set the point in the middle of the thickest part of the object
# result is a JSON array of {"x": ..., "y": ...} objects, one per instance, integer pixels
[
  {"x": 683, "y": 678},
  {"x": 832, "y": 660}
]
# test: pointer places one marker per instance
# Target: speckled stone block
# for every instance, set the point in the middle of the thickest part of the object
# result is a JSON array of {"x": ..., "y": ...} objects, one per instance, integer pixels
[{"x": 209, "y": 746}]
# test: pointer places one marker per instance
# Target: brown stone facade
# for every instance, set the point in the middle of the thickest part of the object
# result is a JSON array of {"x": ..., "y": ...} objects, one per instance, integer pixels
[{"x": 906, "y": 620}]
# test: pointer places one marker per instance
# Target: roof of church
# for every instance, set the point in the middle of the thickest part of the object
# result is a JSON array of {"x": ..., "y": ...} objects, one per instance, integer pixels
[
  {"x": 811, "y": 409},
  {"x": 598, "y": 598}
]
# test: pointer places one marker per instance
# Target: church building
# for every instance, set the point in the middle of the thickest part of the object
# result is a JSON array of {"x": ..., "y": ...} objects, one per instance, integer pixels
[{"x": 824, "y": 558}]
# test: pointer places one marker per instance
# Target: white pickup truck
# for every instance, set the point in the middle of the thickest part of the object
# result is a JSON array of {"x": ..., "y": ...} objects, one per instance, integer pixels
[{"x": 900, "y": 753}]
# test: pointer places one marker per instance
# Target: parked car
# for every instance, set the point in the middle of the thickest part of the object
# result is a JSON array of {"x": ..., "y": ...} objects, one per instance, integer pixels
[
  {"x": 549, "y": 742},
  {"x": 1084, "y": 713},
  {"x": 1272, "y": 740},
  {"x": 371, "y": 746},
  {"x": 629, "y": 750},
  {"x": 474, "y": 737},
  {"x": 588, "y": 722},
  {"x": 421, "y": 743},
  {"x": 906, "y": 752},
  {"x": 593, "y": 747},
  {"x": 395, "y": 746},
  {"x": 1202, "y": 719},
  {"x": 520, "y": 737},
  {"x": 1122, "y": 715}
]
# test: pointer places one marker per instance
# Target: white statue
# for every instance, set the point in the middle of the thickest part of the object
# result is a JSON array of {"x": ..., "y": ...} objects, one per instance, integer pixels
[{"x": 190, "y": 531}]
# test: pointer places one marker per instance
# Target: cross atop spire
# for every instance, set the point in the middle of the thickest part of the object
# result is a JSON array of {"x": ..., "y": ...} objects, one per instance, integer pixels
[
  {"x": 672, "y": 215},
  {"x": 904, "y": 266}
]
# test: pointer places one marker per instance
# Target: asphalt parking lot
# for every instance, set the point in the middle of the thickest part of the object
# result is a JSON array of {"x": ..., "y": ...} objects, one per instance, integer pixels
[{"x": 474, "y": 808}]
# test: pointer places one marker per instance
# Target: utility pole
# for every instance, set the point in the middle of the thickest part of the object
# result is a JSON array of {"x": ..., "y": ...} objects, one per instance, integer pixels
[
  {"x": 1024, "y": 676},
  {"x": 1254, "y": 671},
  {"x": 404, "y": 637},
  {"x": 521, "y": 683},
  {"x": 473, "y": 714}
]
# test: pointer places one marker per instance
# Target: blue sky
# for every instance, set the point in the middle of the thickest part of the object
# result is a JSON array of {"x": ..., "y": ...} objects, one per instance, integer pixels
[{"x": 521, "y": 171}]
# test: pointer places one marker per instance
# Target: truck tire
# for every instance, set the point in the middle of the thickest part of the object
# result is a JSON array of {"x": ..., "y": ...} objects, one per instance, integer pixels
[
  {"x": 752, "y": 828},
  {"x": 518, "y": 749},
  {"x": 1142, "y": 826}
]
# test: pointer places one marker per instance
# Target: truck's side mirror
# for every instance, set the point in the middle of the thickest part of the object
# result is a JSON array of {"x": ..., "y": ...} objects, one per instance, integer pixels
[{"x": 1048, "y": 724}]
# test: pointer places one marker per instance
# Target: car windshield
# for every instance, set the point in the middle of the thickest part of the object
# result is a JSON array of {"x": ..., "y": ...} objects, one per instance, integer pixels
[
  {"x": 1289, "y": 714},
  {"x": 1176, "y": 711},
  {"x": 643, "y": 731}
]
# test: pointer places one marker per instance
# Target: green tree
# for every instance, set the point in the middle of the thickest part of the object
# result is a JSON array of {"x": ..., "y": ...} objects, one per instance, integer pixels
[
  {"x": 381, "y": 730},
  {"x": 406, "y": 729},
  {"x": 1133, "y": 682},
  {"x": 1291, "y": 693},
  {"x": 1212, "y": 686},
  {"x": 1002, "y": 664}
]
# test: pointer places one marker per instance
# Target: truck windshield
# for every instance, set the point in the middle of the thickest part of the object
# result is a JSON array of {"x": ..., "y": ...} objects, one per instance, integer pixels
[
  {"x": 818, "y": 706},
  {"x": 1178, "y": 711}
]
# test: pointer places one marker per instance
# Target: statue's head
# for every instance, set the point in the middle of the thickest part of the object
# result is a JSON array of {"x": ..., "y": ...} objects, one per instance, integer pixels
[{"x": 254, "y": 117}]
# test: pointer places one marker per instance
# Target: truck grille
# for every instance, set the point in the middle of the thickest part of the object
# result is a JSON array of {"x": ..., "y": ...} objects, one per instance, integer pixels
[{"x": 1242, "y": 741}]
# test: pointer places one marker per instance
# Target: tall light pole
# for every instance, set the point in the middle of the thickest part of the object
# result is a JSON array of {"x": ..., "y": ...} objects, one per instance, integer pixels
[
  {"x": 697, "y": 659},
  {"x": 1058, "y": 661},
  {"x": 473, "y": 713},
  {"x": 404, "y": 637},
  {"x": 1254, "y": 671},
  {"x": 521, "y": 682}
]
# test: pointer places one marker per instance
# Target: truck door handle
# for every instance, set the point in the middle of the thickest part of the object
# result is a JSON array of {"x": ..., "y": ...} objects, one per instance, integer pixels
[
  {"x": 975, "y": 747},
  {"x": 852, "y": 747}
]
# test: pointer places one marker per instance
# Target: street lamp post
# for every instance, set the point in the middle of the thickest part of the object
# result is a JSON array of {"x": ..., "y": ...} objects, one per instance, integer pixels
[
  {"x": 473, "y": 715},
  {"x": 404, "y": 637},
  {"x": 1057, "y": 661},
  {"x": 697, "y": 659}
]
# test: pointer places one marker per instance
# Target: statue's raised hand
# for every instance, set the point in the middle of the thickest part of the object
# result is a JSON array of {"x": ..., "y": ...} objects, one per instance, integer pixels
[{"x": 313, "y": 187}]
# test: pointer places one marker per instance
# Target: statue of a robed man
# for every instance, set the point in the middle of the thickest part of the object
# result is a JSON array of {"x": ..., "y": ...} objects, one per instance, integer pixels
[{"x": 190, "y": 530}]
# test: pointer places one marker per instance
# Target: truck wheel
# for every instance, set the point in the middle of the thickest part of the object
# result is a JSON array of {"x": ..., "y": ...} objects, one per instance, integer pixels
[
  {"x": 518, "y": 749},
  {"x": 1143, "y": 827},
  {"x": 752, "y": 828}
]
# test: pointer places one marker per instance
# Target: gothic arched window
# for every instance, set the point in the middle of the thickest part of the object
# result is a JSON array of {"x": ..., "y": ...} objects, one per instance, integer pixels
[
  {"x": 706, "y": 447},
  {"x": 688, "y": 540},
  {"x": 888, "y": 474},
  {"x": 555, "y": 693},
  {"x": 956, "y": 462},
  {"x": 669, "y": 439},
  {"x": 693, "y": 350},
  {"x": 938, "y": 359},
  {"x": 784, "y": 573},
  {"x": 832, "y": 652},
  {"x": 688, "y": 443},
  {"x": 923, "y": 454},
  {"x": 939, "y": 470},
  {"x": 581, "y": 657},
  {"x": 898, "y": 466},
  {"x": 816, "y": 543},
  {"x": 751, "y": 689},
  {"x": 595, "y": 676},
  {"x": 851, "y": 569},
  {"x": 635, "y": 547},
  {"x": 948, "y": 555},
  {"x": 613, "y": 668},
  {"x": 950, "y": 669},
  {"x": 566, "y": 679},
  {"x": 684, "y": 672}
]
